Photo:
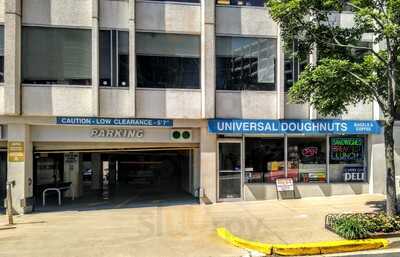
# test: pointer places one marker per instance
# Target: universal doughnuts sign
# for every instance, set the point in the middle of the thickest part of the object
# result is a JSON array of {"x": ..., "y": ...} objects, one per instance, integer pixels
[
  {"x": 248, "y": 126},
  {"x": 116, "y": 133}
]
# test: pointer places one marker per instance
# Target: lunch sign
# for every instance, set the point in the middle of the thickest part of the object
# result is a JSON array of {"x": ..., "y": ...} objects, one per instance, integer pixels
[{"x": 252, "y": 126}]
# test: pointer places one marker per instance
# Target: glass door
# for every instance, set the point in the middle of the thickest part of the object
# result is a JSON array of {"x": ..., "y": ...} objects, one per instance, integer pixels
[{"x": 229, "y": 170}]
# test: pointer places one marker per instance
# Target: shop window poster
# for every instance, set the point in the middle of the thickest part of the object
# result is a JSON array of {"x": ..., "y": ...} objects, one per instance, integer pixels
[{"x": 347, "y": 149}]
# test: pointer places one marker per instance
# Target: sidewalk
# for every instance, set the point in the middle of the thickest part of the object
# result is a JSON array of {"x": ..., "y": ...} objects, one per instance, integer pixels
[{"x": 184, "y": 230}]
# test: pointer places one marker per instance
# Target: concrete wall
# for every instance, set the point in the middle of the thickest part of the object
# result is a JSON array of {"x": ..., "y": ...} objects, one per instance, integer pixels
[
  {"x": 168, "y": 17},
  {"x": 296, "y": 111},
  {"x": 57, "y": 13},
  {"x": 246, "y": 104},
  {"x": 234, "y": 20},
  {"x": 56, "y": 100},
  {"x": 21, "y": 172},
  {"x": 2, "y": 102},
  {"x": 116, "y": 102},
  {"x": 83, "y": 134},
  {"x": 268, "y": 191},
  {"x": 114, "y": 14},
  {"x": 360, "y": 112},
  {"x": 169, "y": 103},
  {"x": 2, "y": 9}
]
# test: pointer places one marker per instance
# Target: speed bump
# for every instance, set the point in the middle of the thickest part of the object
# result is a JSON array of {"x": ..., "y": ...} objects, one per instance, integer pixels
[{"x": 304, "y": 248}]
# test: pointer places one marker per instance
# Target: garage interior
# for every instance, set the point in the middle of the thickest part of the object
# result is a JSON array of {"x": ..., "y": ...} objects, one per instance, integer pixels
[
  {"x": 3, "y": 179},
  {"x": 115, "y": 178}
]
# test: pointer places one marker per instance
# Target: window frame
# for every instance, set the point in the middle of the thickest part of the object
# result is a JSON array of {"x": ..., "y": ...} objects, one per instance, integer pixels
[
  {"x": 49, "y": 81},
  {"x": 247, "y": 87},
  {"x": 169, "y": 55},
  {"x": 114, "y": 59},
  {"x": 327, "y": 137}
]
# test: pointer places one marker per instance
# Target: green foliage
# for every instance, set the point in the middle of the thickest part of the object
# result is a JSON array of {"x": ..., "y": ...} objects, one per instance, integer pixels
[
  {"x": 362, "y": 225},
  {"x": 341, "y": 78},
  {"x": 351, "y": 228}
]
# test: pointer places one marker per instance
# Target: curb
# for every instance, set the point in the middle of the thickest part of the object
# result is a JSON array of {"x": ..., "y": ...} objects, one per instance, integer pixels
[
  {"x": 248, "y": 245},
  {"x": 304, "y": 248}
]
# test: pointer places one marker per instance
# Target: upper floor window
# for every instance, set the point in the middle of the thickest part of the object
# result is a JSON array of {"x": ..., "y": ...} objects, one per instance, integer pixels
[
  {"x": 114, "y": 58},
  {"x": 1, "y": 53},
  {"x": 242, "y": 2},
  {"x": 56, "y": 56},
  {"x": 167, "y": 60},
  {"x": 179, "y": 1},
  {"x": 294, "y": 65},
  {"x": 245, "y": 63}
]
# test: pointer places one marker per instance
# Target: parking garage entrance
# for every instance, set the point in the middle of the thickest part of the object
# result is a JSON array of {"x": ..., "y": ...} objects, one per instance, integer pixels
[
  {"x": 3, "y": 179},
  {"x": 115, "y": 179}
]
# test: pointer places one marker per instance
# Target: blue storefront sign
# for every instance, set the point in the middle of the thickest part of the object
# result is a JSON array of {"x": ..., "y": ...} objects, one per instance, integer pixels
[
  {"x": 128, "y": 122},
  {"x": 248, "y": 126}
]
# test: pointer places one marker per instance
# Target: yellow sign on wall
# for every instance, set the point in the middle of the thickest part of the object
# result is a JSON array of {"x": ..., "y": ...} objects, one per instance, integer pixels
[{"x": 16, "y": 151}]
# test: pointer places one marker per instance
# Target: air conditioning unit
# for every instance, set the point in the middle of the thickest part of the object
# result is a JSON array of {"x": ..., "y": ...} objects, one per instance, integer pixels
[{"x": 182, "y": 135}]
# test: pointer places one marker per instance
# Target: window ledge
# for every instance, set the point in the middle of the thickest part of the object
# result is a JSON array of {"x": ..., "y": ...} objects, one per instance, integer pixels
[
  {"x": 241, "y": 6},
  {"x": 242, "y": 91},
  {"x": 57, "y": 85},
  {"x": 169, "y": 89},
  {"x": 114, "y": 88}
]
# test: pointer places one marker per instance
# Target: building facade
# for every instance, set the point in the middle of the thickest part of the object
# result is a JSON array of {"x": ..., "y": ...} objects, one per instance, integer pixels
[{"x": 170, "y": 99}]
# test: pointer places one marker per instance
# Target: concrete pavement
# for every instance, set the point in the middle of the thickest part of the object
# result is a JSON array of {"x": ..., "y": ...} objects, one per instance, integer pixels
[{"x": 183, "y": 230}]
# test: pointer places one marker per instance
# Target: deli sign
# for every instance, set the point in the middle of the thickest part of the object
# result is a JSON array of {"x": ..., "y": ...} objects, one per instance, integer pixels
[{"x": 354, "y": 174}]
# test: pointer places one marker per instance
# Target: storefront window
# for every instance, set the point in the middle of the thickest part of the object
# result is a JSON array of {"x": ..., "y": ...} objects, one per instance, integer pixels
[
  {"x": 244, "y": 63},
  {"x": 347, "y": 159},
  {"x": 307, "y": 159},
  {"x": 264, "y": 160}
]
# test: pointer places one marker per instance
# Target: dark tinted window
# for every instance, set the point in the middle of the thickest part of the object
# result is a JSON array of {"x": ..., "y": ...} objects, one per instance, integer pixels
[
  {"x": 168, "y": 72},
  {"x": 167, "y": 60},
  {"x": 56, "y": 56},
  {"x": 114, "y": 58},
  {"x": 245, "y": 63}
]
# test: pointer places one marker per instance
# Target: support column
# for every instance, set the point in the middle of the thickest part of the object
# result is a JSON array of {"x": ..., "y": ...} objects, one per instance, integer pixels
[
  {"x": 207, "y": 59},
  {"x": 12, "y": 57},
  {"x": 196, "y": 171},
  {"x": 73, "y": 174},
  {"x": 313, "y": 61},
  {"x": 280, "y": 77},
  {"x": 208, "y": 165},
  {"x": 97, "y": 176},
  {"x": 20, "y": 167},
  {"x": 95, "y": 58},
  {"x": 132, "y": 57}
]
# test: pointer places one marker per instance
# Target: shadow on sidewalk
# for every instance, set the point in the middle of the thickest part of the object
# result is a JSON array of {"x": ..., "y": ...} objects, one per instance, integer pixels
[{"x": 378, "y": 206}]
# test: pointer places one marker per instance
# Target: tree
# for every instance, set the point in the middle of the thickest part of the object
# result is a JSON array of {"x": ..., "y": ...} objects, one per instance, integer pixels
[{"x": 342, "y": 77}]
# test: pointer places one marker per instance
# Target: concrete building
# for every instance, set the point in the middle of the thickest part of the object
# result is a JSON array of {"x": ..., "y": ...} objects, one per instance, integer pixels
[{"x": 167, "y": 100}]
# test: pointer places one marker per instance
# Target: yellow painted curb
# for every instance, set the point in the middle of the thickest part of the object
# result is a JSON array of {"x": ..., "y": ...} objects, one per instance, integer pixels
[
  {"x": 304, "y": 248},
  {"x": 236, "y": 241}
]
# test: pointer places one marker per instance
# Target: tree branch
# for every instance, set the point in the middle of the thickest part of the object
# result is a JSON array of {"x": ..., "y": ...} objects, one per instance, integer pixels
[{"x": 376, "y": 95}]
